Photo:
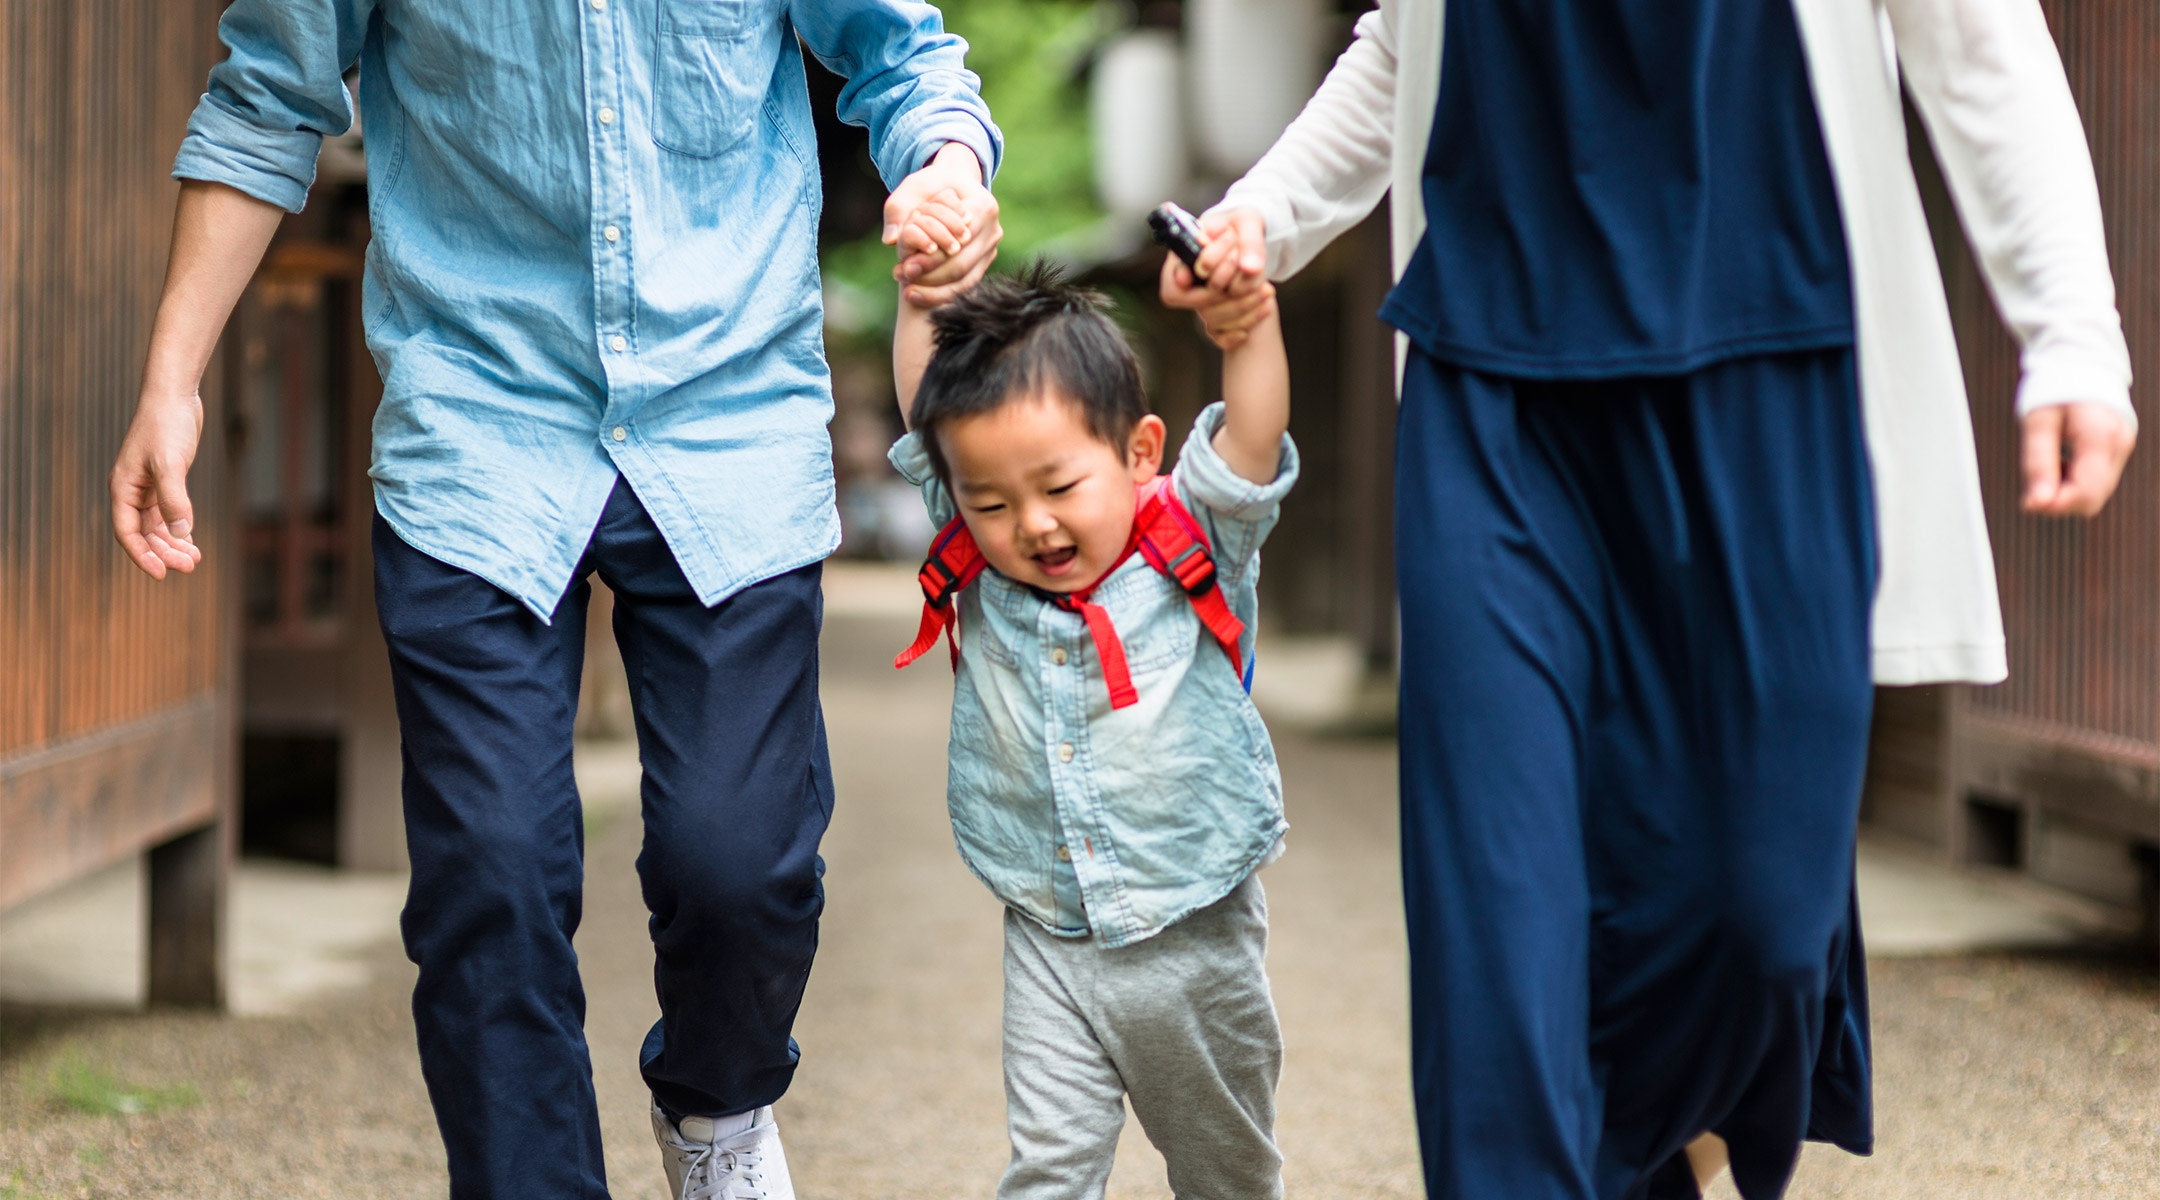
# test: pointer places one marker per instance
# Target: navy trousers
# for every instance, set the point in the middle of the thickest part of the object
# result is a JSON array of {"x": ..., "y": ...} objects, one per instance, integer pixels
[
  {"x": 1635, "y": 706},
  {"x": 737, "y": 792}
]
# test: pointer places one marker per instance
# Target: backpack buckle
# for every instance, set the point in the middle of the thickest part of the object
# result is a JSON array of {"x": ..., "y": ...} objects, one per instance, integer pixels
[
  {"x": 1194, "y": 570},
  {"x": 938, "y": 581}
]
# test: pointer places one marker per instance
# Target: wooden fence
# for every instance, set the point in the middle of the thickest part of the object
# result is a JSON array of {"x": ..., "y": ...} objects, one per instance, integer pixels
[
  {"x": 2056, "y": 772},
  {"x": 115, "y": 692}
]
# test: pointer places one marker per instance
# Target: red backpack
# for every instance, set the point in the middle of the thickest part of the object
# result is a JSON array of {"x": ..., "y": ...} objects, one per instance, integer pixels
[{"x": 1164, "y": 533}]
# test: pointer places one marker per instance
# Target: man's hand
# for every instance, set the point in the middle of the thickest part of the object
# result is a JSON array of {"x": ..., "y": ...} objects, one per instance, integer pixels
[
  {"x": 2073, "y": 457},
  {"x": 936, "y": 269},
  {"x": 151, "y": 515}
]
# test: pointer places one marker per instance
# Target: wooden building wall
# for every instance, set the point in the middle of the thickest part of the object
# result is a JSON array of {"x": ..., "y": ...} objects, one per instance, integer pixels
[
  {"x": 2056, "y": 772},
  {"x": 115, "y": 713},
  {"x": 2082, "y": 600}
]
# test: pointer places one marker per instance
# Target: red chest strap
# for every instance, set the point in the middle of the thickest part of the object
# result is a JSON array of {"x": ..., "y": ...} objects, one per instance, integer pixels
[{"x": 1164, "y": 534}]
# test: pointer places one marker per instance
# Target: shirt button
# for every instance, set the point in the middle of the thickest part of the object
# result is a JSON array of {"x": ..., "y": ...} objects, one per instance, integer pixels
[
  {"x": 1064, "y": 855},
  {"x": 1058, "y": 656},
  {"x": 619, "y": 433},
  {"x": 618, "y": 343},
  {"x": 599, "y": 5},
  {"x": 611, "y": 233},
  {"x": 607, "y": 116},
  {"x": 1065, "y": 751}
]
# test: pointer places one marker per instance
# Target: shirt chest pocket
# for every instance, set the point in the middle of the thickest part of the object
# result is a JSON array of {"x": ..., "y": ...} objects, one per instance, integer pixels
[
  {"x": 712, "y": 60},
  {"x": 1155, "y": 624}
]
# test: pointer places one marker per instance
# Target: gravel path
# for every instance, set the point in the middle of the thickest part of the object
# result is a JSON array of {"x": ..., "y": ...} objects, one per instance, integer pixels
[{"x": 2026, "y": 1077}]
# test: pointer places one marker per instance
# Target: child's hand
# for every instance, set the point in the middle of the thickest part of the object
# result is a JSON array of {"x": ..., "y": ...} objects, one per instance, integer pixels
[
  {"x": 1228, "y": 314},
  {"x": 930, "y": 241}
]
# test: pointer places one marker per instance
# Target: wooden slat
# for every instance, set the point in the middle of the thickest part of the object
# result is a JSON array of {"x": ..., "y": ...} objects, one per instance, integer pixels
[{"x": 84, "y": 804}]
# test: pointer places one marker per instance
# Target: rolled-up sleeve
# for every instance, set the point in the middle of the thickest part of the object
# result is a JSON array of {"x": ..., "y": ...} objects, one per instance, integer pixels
[
  {"x": 912, "y": 459},
  {"x": 907, "y": 81},
  {"x": 278, "y": 93},
  {"x": 1237, "y": 513}
]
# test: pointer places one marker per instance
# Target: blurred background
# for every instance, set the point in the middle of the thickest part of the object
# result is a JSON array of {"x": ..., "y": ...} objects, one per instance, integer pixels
[{"x": 198, "y": 781}]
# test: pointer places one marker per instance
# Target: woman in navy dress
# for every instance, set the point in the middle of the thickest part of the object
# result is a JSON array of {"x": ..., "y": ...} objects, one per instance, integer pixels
[
  {"x": 1637, "y": 554},
  {"x": 1634, "y": 508}
]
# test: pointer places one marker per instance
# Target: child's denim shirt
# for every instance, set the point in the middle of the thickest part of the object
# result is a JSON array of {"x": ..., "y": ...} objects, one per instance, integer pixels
[{"x": 1115, "y": 822}]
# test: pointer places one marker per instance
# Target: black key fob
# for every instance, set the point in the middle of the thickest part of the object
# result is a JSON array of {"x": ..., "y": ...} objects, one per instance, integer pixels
[{"x": 1175, "y": 229}]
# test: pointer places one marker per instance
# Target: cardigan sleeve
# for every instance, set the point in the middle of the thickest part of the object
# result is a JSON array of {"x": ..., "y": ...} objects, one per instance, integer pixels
[
  {"x": 1330, "y": 167},
  {"x": 1989, "y": 84}
]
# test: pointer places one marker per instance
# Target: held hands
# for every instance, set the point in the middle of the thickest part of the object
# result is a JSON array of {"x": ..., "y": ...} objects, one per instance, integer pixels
[
  {"x": 1232, "y": 294},
  {"x": 943, "y": 223},
  {"x": 2073, "y": 457},
  {"x": 1236, "y": 304},
  {"x": 1228, "y": 315}
]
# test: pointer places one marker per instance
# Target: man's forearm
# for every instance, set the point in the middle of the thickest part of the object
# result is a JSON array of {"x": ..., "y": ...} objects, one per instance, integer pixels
[{"x": 219, "y": 235}]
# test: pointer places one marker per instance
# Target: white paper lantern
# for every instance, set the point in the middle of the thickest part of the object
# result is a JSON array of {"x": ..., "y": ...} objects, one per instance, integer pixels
[
  {"x": 1137, "y": 111},
  {"x": 1252, "y": 66}
]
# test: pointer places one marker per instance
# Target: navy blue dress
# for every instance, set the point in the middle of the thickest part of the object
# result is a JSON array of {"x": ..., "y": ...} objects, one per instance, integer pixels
[{"x": 1635, "y": 545}]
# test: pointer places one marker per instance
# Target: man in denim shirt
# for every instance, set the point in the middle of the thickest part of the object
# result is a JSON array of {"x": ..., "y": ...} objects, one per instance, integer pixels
[{"x": 593, "y": 296}]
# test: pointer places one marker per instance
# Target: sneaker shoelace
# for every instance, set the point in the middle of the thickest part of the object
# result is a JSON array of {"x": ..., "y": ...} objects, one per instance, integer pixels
[{"x": 717, "y": 1172}]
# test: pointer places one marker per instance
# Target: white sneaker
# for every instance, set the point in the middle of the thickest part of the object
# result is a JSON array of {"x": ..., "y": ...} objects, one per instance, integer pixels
[{"x": 744, "y": 1166}]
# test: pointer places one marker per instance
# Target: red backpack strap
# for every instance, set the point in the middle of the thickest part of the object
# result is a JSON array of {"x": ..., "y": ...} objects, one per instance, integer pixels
[
  {"x": 953, "y": 563},
  {"x": 1174, "y": 543},
  {"x": 1109, "y": 651}
]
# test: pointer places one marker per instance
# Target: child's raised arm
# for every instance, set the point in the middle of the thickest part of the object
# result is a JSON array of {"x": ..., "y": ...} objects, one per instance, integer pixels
[
  {"x": 934, "y": 229},
  {"x": 1256, "y": 372},
  {"x": 912, "y": 344}
]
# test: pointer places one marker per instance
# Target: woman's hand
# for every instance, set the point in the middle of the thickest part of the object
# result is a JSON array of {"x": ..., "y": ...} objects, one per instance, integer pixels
[
  {"x": 2073, "y": 457},
  {"x": 1235, "y": 251}
]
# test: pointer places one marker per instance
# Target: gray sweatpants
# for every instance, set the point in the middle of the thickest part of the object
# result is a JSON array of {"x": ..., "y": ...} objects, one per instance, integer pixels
[{"x": 1182, "y": 1023}]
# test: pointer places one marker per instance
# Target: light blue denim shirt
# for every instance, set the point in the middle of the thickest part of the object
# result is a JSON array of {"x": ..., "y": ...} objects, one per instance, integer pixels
[
  {"x": 595, "y": 252},
  {"x": 1116, "y": 822}
]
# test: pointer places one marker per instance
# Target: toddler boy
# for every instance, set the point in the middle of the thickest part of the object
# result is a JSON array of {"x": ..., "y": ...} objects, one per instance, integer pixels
[{"x": 1110, "y": 780}]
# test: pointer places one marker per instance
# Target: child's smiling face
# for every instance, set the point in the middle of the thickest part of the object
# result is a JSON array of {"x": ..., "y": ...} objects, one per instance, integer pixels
[{"x": 1050, "y": 504}]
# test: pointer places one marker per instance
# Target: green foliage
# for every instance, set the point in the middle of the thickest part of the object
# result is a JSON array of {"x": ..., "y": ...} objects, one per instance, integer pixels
[
  {"x": 75, "y": 1084},
  {"x": 1029, "y": 54}
]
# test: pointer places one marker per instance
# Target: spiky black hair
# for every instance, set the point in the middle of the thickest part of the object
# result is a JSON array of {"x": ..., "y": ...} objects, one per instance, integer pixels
[{"x": 1013, "y": 336}]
